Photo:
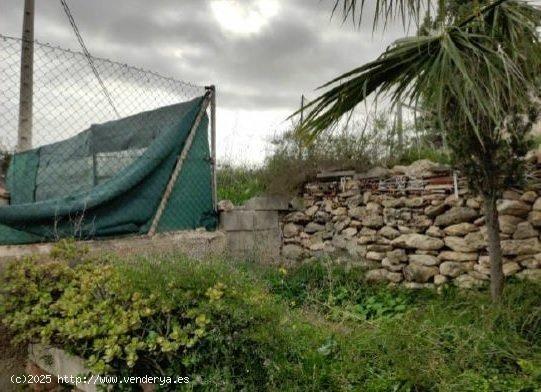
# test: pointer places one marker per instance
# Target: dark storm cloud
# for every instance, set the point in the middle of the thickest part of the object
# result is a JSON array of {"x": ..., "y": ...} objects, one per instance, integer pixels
[{"x": 299, "y": 49}]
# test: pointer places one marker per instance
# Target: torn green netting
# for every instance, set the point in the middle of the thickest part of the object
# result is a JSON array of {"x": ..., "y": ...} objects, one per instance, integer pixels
[{"x": 109, "y": 180}]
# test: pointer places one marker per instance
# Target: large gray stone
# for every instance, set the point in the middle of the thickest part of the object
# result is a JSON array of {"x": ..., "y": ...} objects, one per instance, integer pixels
[
  {"x": 534, "y": 218},
  {"x": 290, "y": 230},
  {"x": 223, "y": 205},
  {"x": 511, "y": 268},
  {"x": 460, "y": 229},
  {"x": 434, "y": 231},
  {"x": 372, "y": 220},
  {"x": 374, "y": 207},
  {"x": 349, "y": 232},
  {"x": 418, "y": 241},
  {"x": 457, "y": 256},
  {"x": 456, "y": 215},
  {"x": 311, "y": 211},
  {"x": 391, "y": 265},
  {"x": 322, "y": 217},
  {"x": 520, "y": 247},
  {"x": 459, "y": 244},
  {"x": 440, "y": 280},
  {"x": 392, "y": 202},
  {"x": 473, "y": 203},
  {"x": 468, "y": 282},
  {"x": 529, "y": 197},
  {"x": 452, "y": 268},
  {"x": 414, "y": 202},
  {"x": 340, "y": 211},
  {"x": 476, "y": 240},
  {"x": 419, "y": 273},
  {"x": 297, "y": 217},
  {"x": 342, "y": 223},
  {"x": 525, "y": 230},
  {"x": 537, "y": 205},
  {"x": 389, "y": 232},
  {"x": 367, "y": 239},
  {"x": 354, "y": 201},
  {"x": 531, "y": 264},
  {"x": 397, "y": 255},
  {"x": 378, "y": 256},
  {"x": 508, "y": 223},
  {"x": 511, "y": 195},
  {"x": 426, "y": 260},
  {"x": 514, "y": 207},
  {"x": 294, "y": 252},
  {"x": 433, "y": 211},
  {"x": 313, "y": 227},
  {"x": 420, "y": 168}
]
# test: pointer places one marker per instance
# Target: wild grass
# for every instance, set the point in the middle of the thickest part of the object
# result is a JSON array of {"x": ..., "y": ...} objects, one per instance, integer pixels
[
  {"x": 313, "y": 327},
  {"x": 239, "y": 183}
]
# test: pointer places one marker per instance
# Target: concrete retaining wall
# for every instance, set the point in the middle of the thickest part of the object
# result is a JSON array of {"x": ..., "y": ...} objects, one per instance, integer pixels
[
  {"x": 253, "y": 230},
  {"x": 197, "y": 244}
]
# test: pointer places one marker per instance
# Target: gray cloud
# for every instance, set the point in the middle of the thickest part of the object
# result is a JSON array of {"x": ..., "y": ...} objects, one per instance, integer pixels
[{"x": 299, "y": 49}]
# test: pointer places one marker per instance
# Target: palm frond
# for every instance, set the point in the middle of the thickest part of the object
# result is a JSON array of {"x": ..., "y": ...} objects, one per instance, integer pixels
[
  {"x": 472, "y": 71},
  {"x": 383, "y": 9}
]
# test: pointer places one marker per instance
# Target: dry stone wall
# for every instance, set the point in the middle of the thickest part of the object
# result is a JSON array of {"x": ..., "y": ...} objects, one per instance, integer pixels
[{"x": 424, "y": 236}]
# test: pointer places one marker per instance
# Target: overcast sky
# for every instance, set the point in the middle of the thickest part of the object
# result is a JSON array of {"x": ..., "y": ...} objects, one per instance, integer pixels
[{"x": 261, "y": 54}]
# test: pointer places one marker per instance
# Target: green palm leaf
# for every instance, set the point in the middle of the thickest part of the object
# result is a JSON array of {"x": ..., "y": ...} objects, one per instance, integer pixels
[{"x": 472, "y": 71}]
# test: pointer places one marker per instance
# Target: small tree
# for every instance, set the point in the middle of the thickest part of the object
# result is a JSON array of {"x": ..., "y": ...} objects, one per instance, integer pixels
[{"x": 476, "y": 73}]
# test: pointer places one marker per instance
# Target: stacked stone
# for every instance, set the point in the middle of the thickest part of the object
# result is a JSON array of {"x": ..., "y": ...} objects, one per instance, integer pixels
[{"x": 419, "y": 241}]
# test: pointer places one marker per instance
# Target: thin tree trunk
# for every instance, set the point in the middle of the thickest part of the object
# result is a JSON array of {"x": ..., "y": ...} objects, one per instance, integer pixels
[{"x": 494, "y": 248}]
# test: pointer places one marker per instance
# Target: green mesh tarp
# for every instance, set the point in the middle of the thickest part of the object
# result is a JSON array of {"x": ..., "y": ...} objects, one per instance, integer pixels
[{"x": 109, "y": 180}]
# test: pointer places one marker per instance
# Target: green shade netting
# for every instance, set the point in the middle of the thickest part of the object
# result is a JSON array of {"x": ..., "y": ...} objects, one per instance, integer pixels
[{"x": 109, "y": 180}]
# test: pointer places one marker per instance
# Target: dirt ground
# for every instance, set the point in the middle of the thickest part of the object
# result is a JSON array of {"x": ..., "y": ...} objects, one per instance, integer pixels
[{"x": 12, "y": 361}]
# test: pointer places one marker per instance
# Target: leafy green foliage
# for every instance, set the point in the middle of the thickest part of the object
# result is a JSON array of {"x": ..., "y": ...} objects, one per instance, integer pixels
[
  {"x": 314, "y": 327},
  {"x": 335, "y": 291},
  {"x": 178, "y": 317},
  {"x": 384, "y": 305}
]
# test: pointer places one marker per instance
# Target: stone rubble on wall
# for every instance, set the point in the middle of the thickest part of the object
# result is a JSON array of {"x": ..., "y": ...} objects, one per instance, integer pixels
[{"x": 422, "y": 239}]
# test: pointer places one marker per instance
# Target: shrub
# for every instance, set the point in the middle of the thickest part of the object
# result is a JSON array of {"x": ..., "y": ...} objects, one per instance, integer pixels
[
  {"x": 167, "y": 318},
  {"x": 246, "y": 327}
]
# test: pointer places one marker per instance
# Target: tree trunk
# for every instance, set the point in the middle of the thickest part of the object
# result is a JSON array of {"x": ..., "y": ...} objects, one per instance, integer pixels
[{"x": 494, "y": 247}]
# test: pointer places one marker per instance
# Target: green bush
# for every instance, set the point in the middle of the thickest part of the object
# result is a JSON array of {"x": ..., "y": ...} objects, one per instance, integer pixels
[
  {"x": 167, "y": 318},
  {"x": 231, "y": 326}
]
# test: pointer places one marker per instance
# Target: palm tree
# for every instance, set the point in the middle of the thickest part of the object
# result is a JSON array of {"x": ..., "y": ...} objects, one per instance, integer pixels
[{"x": 476, "y": 71}]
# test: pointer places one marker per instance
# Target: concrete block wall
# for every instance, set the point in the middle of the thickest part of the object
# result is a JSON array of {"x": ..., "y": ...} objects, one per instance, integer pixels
[{"x": 253, "y": 230}]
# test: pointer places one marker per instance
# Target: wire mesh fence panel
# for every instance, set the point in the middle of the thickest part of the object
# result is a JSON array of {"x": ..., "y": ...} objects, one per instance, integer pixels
[{"x": 103, "y": 152}]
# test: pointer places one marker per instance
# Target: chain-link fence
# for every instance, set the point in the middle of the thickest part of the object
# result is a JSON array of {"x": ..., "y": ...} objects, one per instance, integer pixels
[{"x": 121, "y": 151}]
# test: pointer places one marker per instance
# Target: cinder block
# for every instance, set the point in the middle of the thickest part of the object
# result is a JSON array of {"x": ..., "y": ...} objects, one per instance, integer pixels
[
  {"x": 237, "y": 220},
  {"x": 267, "y": 203},
  {"x": 268, "y": 244},
  {"x": 266, "y": 220}
]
